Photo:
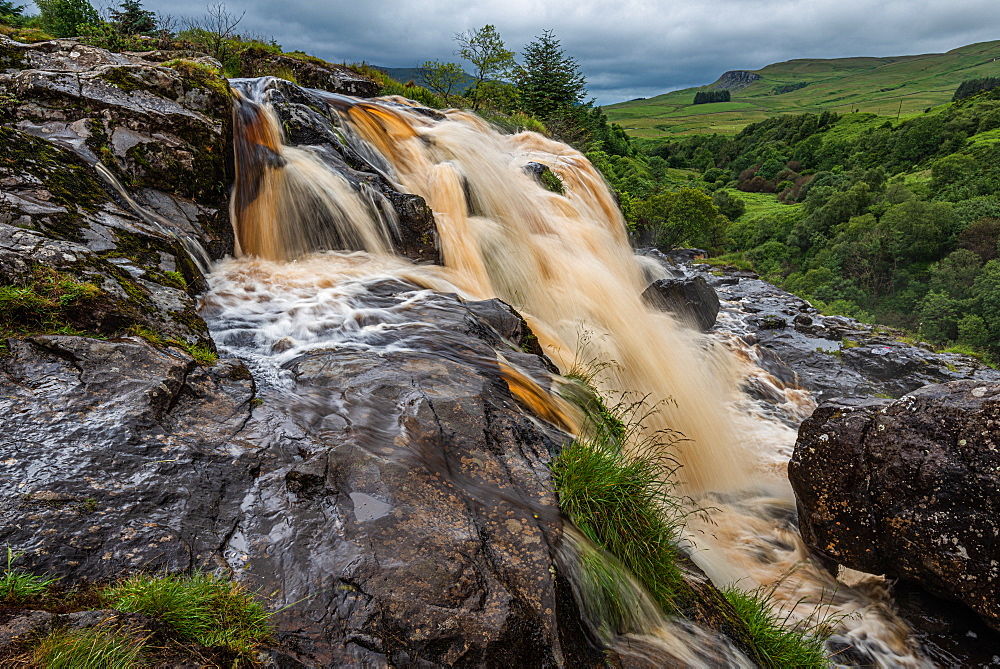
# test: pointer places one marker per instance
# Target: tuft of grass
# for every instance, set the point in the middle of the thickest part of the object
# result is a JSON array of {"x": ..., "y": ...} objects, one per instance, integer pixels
[
  {"x": 18, "y": 586},
  {"x": 779, "y": 642},
  {"x": 203, "y": 608},
  {"x": 624, "y": 503},
  {"x": 94, "y": 648}
]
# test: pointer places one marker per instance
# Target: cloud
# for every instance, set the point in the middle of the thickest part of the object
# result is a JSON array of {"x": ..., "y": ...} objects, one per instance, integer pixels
[{"x": 634, "y": 48}]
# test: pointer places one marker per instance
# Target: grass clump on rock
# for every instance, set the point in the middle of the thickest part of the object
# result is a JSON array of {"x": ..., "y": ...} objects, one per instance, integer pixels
[
  {"x": 778, "y": 642},
  {"x": 623, "y": 498},
  {"x": 98, "y": 647},
  {"x": 18, "y": 586},
  {"x": 624, "y": 503},
  {"x": 201, "y": 608}
]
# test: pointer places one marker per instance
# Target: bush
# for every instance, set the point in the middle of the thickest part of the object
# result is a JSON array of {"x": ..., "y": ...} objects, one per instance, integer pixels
[{"x": 64, "y": 18}]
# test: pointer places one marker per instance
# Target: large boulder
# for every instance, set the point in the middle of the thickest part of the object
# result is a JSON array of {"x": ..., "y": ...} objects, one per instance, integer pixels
[
  {"x": 908, "y": 488},
  {"x": 690, "y": 299}
]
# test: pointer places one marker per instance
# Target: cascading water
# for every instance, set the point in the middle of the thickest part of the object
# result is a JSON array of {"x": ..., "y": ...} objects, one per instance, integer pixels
[{"x": 563, "y": 260}]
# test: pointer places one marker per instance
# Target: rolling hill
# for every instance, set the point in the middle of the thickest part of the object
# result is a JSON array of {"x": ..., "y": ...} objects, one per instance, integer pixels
[{"x": 893, "y": 86}]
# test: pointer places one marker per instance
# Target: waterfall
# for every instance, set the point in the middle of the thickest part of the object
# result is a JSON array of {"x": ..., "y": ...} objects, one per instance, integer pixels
[{"x": 564, "y": 262}]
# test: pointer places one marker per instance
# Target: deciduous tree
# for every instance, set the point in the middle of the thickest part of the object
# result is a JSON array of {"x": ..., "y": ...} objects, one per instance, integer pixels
[{"x": 490, "y": 58}]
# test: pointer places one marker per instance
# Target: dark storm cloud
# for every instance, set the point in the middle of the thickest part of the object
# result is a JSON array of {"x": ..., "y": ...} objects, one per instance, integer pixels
[{"x": 635, "y": 48}]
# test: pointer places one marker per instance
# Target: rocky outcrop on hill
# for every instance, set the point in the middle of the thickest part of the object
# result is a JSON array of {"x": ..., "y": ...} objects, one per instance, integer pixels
[
  {"x": 734, "y": 80},
  {"x": 113, "y": 187},
  {"x": 908, "y": 488}
]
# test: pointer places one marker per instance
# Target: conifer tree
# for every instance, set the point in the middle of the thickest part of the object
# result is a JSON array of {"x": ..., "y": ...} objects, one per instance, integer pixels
[
  {"x": 131, "y": 19},
  {"x": 550, "y": 82}
]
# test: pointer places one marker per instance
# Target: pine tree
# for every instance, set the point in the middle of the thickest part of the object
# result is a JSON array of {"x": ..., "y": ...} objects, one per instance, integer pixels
[
  {"x": 550, "y": 82},
  {"x": 131, "y": 19}
]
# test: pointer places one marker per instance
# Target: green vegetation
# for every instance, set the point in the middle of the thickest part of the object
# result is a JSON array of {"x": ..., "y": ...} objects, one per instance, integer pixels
[
  {"x": 902, "y": 86},
  {"x": 64, "y": 18},
  {"x": 707, "y": 97},
  {"x": 202, "y": 608},
  {"x": 93, "y": 648},
  {"x": 622, "y": 499},
  {"x": 895, "y": 222},
  {"x": 50, "y": 303},
  {"x": 972, "y": 86},
  {"x": 779, "y": 642},
  {"x": 17, "y": 586},
  {"x": 623, "y": 503},
  {"x": 202, "y": 353}
]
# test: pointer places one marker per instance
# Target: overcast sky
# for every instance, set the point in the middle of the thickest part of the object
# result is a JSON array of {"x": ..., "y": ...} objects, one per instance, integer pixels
[{"x": 626, "y": 49}]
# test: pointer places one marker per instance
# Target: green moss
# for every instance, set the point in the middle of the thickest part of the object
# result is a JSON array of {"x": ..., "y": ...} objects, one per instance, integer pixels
[
  {"x": 202, "y": 76},
  {"x": 48, "y": 303},
  {"x": 12, "y": 58},
  {"x": 70, "y": 181},
  {"x": 552, "y": 182},
  {"x": 203, "y": 354},
  {"x": 124, "y": 78},
  {"x": 176, "y": 279}
]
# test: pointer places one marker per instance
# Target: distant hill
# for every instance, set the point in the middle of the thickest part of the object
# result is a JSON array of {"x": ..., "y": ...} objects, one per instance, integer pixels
[
  {"x": 415, "y": 74},
  {"x": 887, "y": 86}
]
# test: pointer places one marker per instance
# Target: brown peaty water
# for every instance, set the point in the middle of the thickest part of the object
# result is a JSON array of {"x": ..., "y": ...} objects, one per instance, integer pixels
[{"x": 564, "y": 261}]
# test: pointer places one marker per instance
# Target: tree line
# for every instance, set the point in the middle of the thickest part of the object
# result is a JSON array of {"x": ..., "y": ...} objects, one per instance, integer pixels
[{"x": 704, "y": 97}]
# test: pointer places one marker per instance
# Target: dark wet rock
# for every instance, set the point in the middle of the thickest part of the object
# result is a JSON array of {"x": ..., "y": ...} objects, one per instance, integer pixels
[
  {"x": 410, "y": 521},
  {"x": 949, "y": 634},
  {"x": 835, "y": 356},
  {"x": 20, "y": 625},
  {"x": 691, "y": 299},
  {"x": 309, "y": 72},
  {"x": 909, "y": 489}
]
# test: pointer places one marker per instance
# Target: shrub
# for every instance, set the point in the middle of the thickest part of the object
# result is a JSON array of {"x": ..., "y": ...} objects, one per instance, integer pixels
[{"x": 64, "y": 18}]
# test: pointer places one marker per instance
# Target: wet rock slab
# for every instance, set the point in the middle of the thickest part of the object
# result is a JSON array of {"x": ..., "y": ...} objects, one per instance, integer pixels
[{"x": 834, "y": 356}]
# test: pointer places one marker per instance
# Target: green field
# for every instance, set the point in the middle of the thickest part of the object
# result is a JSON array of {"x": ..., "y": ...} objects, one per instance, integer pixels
[{"x": 901, "y": 85}]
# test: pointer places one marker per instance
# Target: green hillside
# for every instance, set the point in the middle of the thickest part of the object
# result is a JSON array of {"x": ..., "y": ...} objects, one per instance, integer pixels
[
  {"x": 415, "y": 74},
  {"x": 885, "y": 86}
]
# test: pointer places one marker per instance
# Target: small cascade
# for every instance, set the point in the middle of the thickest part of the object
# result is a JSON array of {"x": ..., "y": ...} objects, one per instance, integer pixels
[{"x": 564, "y": 262}]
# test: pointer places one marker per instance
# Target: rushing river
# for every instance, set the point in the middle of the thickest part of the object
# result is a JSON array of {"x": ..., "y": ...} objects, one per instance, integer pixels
[{"x": 314, "y": 247}]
